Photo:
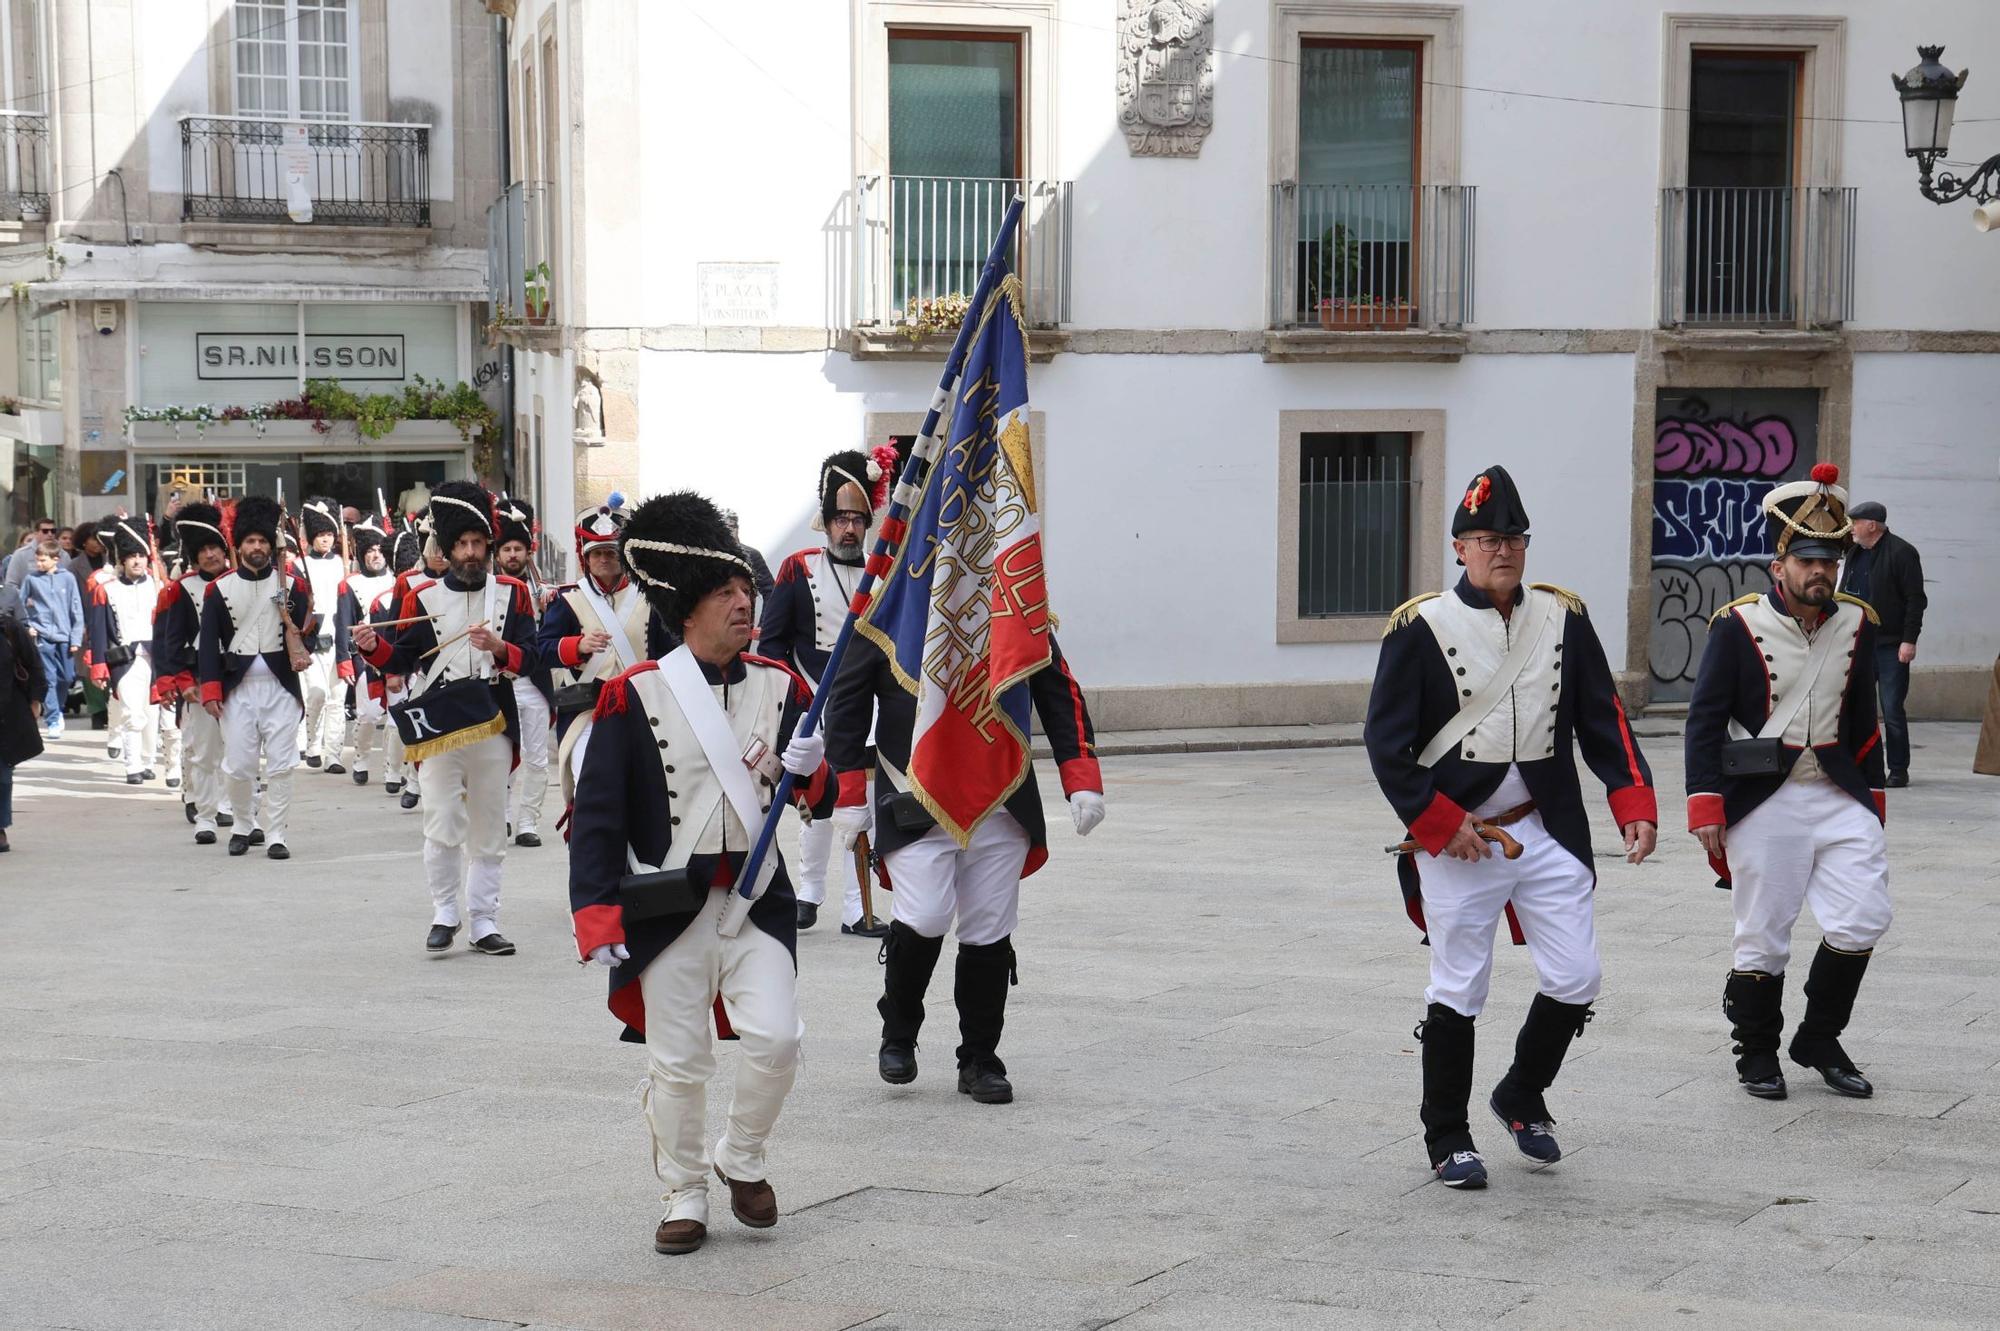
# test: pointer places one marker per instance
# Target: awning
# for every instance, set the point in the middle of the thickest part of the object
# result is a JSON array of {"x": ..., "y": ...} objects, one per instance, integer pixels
[{"x": 114, "y": 288}]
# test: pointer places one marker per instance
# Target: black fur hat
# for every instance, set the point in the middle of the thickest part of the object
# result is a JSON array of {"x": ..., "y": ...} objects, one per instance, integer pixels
[
  {"x": 127, "y": 538},
  {"x": 404, "y": 549},
  {"x": 458, "y": 507},
  {"x": 256, "y": 515},
  {"x": 517, "y": 522},
  {"x": 367, "y": 535},
  {"x": 679, "y": 549},
  {"x": 196, "y": 527},
  {"x": 321, "y": 515}
]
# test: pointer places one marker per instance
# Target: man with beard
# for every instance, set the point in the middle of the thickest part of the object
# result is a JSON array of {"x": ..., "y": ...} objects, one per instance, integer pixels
[
  {"x": 1482, "y": 696},
  {"x": 803, "y": 615},
  {"x": 325, "y": 570},
  {"x": 469, "y": 625},
  {"x": 249, "y": 682},
  {"x": 684, "y": 760},
  {"x": 515, "y": 558},
  {"x": 204, "y": 555},
  {"x": 1786, "y": 781},
  {"x": 363, "y": 588},
  {"x": 120, "y": 618}
]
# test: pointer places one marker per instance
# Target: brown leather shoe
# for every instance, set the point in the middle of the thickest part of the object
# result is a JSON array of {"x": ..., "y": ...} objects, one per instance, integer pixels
[
  {"x": 679, "y": 1236},
  {"x": 754, "y": 1203}
]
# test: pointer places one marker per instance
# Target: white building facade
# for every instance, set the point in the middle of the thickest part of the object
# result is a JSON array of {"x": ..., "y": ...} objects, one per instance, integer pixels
[{"x": 1296, "y": 269}]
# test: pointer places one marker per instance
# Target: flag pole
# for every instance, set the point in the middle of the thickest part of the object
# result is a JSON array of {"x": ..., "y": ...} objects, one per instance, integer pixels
[{"x": 893, "y": 522}]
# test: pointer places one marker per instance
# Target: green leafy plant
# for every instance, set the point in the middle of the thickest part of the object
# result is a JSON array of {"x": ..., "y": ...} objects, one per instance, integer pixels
[
  {"x": 1333, "y": 267},
  {"x": 326, "y": 401}
]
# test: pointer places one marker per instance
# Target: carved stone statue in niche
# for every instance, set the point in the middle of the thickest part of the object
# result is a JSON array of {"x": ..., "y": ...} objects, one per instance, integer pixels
[
  {"x": 1166, "y": 75},
  {"x": 588, "y": 408}
]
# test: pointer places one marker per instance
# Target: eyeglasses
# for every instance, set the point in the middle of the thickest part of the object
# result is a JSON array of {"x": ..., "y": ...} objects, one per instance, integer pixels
[
  {"x": 1493, "y": 544},
  {"x": 850, "y": 519}
]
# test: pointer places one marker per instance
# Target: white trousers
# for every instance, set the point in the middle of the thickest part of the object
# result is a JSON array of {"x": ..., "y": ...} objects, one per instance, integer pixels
[
  {"x": 758, "y": 984},
  {"x": 392, "y": 740},
  {"x": 531, "y": 776},
  {"x": 139, "y": 718},
  {"x": 1811, "y": 842},
  {"x": 114, "y": 712},
  {"x": 370, "y": 717},
  {"x": 260, "y": 722},
  {"x": 935, "y": 881},
  {"x": 201, "y": 752},
  {"x": 325, "y": 720},
  {"x": 170, "y": 744},
  {"x": 465, "y": 818},
  {"x": 1552, "y": 898},
  {"x": 817, "y": 844}
]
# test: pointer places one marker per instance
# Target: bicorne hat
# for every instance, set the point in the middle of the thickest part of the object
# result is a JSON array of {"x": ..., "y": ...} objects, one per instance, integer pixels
[{"x": 1491, "y": 503}]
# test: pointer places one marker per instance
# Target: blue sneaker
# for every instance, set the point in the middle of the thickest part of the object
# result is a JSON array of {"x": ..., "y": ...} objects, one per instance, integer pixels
[
  {"x": 1464, "y": 1169},
  {"x": 1534, "y": 1139}
]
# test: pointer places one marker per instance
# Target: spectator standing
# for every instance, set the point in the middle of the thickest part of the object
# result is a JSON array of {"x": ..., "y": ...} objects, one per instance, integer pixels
[
  {"x": 1887, "y": 572},
  {"x": 21, "y": 691},
  {"x": 54, "y": 614},
  {"x": 22, "y": 562}
]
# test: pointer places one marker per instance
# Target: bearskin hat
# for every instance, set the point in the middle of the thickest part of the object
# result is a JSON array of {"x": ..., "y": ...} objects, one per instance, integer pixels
[
  {"x": 1809, "y": 518},
  {"x": 128, "y": 538},
  {"x": 367, "y": 535},
  {"x": 517, "y": 522},
  {"x": 601, "y": 525},
  {"x": 679, "y": 549},
  {"x": 458, "y": 507},
  {"x": 256, "y": 515},
  {"x": 196, "y": 527},
  {"x": 404, "y": 549},
  {"x": 321, "y": 516},
  {"x": 871, "y": 473}
]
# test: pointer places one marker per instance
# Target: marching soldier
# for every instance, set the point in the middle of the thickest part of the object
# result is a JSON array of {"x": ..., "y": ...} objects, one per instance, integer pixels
[
  {"x": 1480, "y": 695},
  {"x": 1786, "y": 788},
  {"x": 249, "y": 666},
  {"x": 204, "y": 556},
  {"x": 515, "y": 558},
  {"x": 802, "y": 617},
  {"x": 473, "y": 629},
  {"x": 325, "y": 570},
  {"x": 403, "y": 556},
  {"x": 683, "y": 762},
  {"x": 367, "y": 585},
  {"x": 120, "y": 619}
]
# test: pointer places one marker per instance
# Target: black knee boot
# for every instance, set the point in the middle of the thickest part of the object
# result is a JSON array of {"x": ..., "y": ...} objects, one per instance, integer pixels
[
  {"x": 1754, "y": 1004},
  {"x": 984, "y": 972},
  {"x": 1830, "y": 989},
  {"x": 1447, "y": 1040},
  {"x": 1538, "y": 1057},
  {"x": 907, "y": 958}
]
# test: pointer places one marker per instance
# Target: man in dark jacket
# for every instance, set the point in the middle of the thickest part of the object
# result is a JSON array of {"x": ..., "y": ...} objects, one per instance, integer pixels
[{"x": 1887, "y": 572}]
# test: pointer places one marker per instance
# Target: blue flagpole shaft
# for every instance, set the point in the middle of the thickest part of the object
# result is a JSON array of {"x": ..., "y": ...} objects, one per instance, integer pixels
[{"x": 989, "y": 278}]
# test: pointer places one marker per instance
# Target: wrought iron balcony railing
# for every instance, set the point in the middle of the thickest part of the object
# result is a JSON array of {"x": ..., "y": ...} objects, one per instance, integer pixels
[
  {"x": 1353, "y": 258},
  {"x": 1756, "y": 256},
  {"x": 24, "y": 166},
  {"x": 355, "y": 173},
  {"x": 519, "y": 277},
  {"x": 919, "y": 241}
]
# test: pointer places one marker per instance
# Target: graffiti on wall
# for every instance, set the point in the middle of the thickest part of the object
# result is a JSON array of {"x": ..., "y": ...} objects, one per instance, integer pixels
[{"x": 1714, "y": 460}]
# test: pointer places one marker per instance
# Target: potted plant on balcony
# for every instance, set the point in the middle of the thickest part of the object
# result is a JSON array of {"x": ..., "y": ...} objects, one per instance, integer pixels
[
  {"x": 1333, "y": 268},
  {"x": 535, "y": 293},
  {"x": 1370, "y": 313}
]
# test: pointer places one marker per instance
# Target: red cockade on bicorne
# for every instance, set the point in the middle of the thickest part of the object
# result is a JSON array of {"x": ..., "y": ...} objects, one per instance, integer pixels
[{"x": 1477, "y": 494}]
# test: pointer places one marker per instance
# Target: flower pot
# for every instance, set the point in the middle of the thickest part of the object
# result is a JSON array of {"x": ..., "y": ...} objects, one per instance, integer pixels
[{"x": 1370, "y": 316}]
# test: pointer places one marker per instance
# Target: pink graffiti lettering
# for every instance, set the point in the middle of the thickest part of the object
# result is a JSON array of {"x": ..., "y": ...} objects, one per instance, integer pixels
[{"x": 1762, "y": 447}]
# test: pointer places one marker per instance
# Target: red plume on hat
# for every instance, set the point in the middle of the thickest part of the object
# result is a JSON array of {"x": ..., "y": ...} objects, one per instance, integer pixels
[{"x": 882, "y": 463}]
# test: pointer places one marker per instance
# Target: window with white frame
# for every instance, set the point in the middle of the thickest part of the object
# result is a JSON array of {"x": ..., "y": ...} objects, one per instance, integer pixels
[{"x": 294, "y": 59}]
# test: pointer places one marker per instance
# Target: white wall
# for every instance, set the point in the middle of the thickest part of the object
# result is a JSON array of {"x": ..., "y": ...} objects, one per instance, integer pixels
[
  {"x": 170, "y": 58},
  {"x": 420, "y": 40}
]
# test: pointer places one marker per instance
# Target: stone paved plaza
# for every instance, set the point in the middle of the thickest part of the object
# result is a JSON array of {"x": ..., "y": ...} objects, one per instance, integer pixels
[{"x": 236, "y": 1094}]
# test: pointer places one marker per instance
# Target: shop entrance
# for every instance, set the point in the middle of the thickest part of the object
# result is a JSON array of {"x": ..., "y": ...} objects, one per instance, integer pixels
[{"x": 402, "y": 481}]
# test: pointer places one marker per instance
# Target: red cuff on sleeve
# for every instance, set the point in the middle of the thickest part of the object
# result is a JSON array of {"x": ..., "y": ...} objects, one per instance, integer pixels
[
  {"x": 346, "y": 670},
  {"x": 567, "y": 653},
  {"x": 1635, "y": 804},
  {"x": 1881, "y": 805},
  {"x": 853, "y": 789},
  {"x": 212, "y": 691},
  {"x": 100, "y": 674},
  {"x": 380, "y": 656},
  {"x": 813, "y": 789},
  {"x": 598, "y": 926},
  {"x": 510, "y": 660},
  {"x": 1081, "y": 774},
  {"x": 1705, "y": 811},
  {"x": 1436, "y": 825}
]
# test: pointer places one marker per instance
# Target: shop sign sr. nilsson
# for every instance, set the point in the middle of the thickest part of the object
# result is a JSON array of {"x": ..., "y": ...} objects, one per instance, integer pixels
[{"x": 355, "y": 356}]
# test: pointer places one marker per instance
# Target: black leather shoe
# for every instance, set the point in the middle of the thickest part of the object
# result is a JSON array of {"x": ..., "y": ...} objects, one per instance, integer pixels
[
  {"x": 985, "y": 1085},
  {"x": 528, "y": 839},
  {"x": 134, "y": 779},
  {"x": 239, "y": 845},
  {"x": 207, "y": 838},
  {"x": 897, "y": 1062},
  {"x": 312, "y": 761},
  {"x": 493, "y": 945},
  {"x": 391, "y": 787},
  {"x": 256, "y": 836},
  {"x": 189, "y": 808},
  {"x": 1762, "y": 1077},
  {"x": 440, "y": 937},
  {"x": 225, "y": 820},
  {"x": 1848, "y": 1082},
  {"x": 860, "y": 930},
  {"x": 409, "y": 800},
  {"x": 808, "y": 914},
  {"x": 276, "y": 851},
  {"x": 335, "y": 769},
  {"x": 360, "y": 777},
  {"x": 150, "y": 775},
  {"x": 1897, "y": 780},
  {"x": 173, "y": 783}
]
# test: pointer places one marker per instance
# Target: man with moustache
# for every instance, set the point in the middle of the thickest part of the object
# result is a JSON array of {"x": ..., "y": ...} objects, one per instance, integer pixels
[
  {"x": 1481, "y": 696},
  {"x": 1786, "y": 777}
]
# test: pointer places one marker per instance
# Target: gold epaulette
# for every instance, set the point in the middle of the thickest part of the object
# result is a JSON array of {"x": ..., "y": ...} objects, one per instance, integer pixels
[
  {"x": 1866, "y": 608},
  {"x": 1741, "y": 600},
  {"x": 1571, "y": 601},
  {"x": 1406, "y": 612}
]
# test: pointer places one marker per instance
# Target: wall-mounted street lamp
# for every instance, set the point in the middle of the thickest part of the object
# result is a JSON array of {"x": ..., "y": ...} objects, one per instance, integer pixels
[{"x": 1930, "y": 97}]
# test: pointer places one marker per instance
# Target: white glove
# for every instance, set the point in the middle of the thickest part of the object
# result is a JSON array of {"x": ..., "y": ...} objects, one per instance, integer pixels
[
  {"x": 850, "y": 821},
  {"x": 1086, "y": 810},
  {"x": 805, "y": 753},
  {"x": 610, "y": 954}
]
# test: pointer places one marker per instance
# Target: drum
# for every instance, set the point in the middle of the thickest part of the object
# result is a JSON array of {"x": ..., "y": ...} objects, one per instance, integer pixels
[{"x": 447, "y": 716}]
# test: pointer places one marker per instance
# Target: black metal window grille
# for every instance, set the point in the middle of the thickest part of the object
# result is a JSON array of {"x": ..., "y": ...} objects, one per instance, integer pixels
[
  {"x": 1355, "y": 495},
  {"x": 362, "y": 174}
]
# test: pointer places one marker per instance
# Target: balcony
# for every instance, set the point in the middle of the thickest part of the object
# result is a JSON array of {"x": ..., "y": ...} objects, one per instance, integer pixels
[
  {"x": 24, "y": 167},
  {"x": 1756, "y": 258},
  {"x": 918, "y": 245},
  {"x": 520, "y": 226},
  {"x": 1370, "y": 272},
  {"x": 240, "y": 169}
]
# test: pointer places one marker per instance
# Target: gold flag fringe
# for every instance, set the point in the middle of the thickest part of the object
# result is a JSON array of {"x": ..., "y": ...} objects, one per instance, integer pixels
[{"x": 458, "y": 739}]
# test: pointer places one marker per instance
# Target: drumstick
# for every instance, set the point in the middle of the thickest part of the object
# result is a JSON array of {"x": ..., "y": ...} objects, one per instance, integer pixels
[
  {"x": 391, "y": 623},
  {"x": 463, "y": 633}
]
